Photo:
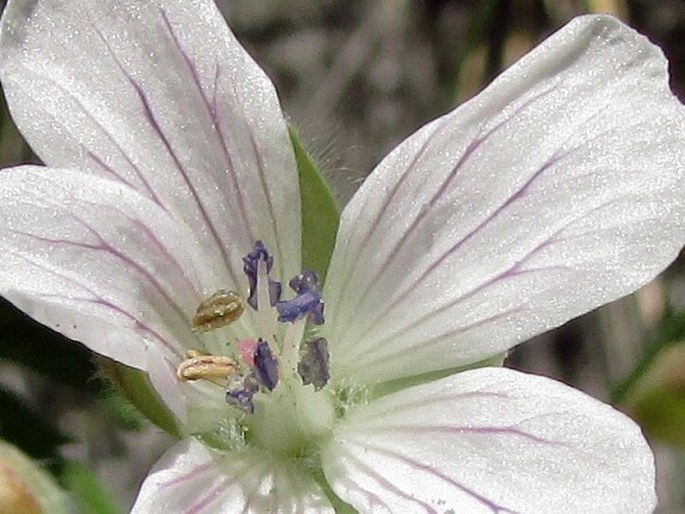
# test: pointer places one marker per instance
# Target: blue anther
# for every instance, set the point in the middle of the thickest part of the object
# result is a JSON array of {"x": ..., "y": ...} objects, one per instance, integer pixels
[
  {"x": 308, "y": 301},
  {"x": 308, "y": 304},
  {"x": 307, "y": 280},
  {"x": 250, "y": 267},
  {"x": 265, "y": 365}
]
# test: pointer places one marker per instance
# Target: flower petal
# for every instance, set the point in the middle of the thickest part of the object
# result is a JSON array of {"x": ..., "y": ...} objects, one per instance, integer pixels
[
  {"x": 490, "y": 440},
  {"x": 161, "y": 96},
  {"x": 99, "y": 262},
  {"x": 192, "y": 478},
  {"x": 557, "y": 189}
]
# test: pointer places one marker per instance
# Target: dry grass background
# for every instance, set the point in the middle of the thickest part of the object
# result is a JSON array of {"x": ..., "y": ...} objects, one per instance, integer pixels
[{"x": 356, "y": 77}]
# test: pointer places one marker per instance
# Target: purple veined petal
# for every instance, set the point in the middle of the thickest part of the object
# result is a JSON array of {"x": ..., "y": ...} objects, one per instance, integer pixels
[
  {"x": 491, "y": 441},
  {"x": 161, "y": 96},
  {"x": 99, "y": 262},
  {"x": 557, "y": 189},
  {"x": 192, "y": 479}
]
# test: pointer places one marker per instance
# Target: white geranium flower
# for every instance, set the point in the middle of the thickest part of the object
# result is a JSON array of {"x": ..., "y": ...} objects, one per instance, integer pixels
[{"x": 170, "y": 177}]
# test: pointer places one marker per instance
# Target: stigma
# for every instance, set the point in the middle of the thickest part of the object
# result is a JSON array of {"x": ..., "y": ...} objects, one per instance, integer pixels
[{"x": 257, "y": 366}]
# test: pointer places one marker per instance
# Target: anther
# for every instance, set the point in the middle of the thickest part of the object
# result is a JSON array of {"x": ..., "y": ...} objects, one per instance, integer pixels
[
  {"x": 265, "y": 365},
  {"x": 313, "y": 366},
  {"x": 215, "y": 368},
  {"x": 251, "y": 266},
  {"x": 220, "y": 309},
  {"x": 308, "y": 302}
]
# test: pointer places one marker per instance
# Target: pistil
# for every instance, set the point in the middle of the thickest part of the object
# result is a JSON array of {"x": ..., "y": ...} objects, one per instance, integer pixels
[{"x": 261, "y": 364}]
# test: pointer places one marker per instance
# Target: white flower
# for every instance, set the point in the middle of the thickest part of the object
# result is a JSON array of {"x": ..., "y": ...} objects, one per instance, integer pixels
[{"x": 557, "y": 189}]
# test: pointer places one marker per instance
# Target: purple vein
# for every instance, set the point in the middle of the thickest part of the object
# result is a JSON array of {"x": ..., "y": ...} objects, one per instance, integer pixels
[
  {"x": 214, "y": 493},
  {"x": 354, "y": 260},
  {"x": 193, "y": 473},
  {"x": 107, "y": 168},
  {"x": 96, "y": 299},
  {"x": 387, "y": 484},
  {"x": 168, "y": 255},
  {"x": 423, "y": 346},
  {"x": 213, "y": 114},
  {"x": 152, "y": 121},
  {"x": 116, "y": 308},
  {"x": 378, "y": 346},
  {"x": 490, "y": 504},
  {"x": 210, "y": 497},
  {"x": 517, "y": 195},
  {"x": 469, "y": 152},
  {"x": 514, "y": 271},
  {"x": 432, "y": 400},
  {"x": 373, "y": 498},
  {"x": 262, "y": 178},
  {"x": 215, "y": 89},
  {"x": 148, "y": 191},
  {"x": 461, "y": 430},
  {"x": 104, "y": 246}
]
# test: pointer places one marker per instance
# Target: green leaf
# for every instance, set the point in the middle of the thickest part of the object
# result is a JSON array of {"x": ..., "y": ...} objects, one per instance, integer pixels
[
  {"x": 92, "y": 497},
  {"x": 320, "y": 212}
]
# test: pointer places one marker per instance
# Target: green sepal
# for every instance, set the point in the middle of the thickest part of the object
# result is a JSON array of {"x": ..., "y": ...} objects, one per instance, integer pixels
[
  {"x": 320, "y": 212},
  {"x": 136, "y": 388}
]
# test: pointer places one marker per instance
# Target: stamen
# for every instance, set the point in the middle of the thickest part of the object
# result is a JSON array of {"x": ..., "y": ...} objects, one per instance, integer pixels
[
  {"x": 215, "y": 368},
  {"x": 251, "y": 268},
  {"x": 308, "y": 301},
  {"x": 265, "y": 317},
  {"x": 220, "y": 309},
  {"x": 265, "y": 365},
  {"x": 313, "y": 367}
]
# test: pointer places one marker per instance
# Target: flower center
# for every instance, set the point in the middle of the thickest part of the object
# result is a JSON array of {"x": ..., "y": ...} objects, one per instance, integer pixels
[{"x": 277, "y": 379}]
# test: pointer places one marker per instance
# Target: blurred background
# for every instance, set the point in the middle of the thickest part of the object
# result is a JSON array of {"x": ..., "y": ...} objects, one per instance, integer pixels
[{"x": 356, "y": 77}]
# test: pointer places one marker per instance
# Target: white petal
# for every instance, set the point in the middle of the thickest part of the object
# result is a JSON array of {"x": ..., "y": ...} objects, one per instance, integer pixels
[
  {"x": 491, "y": 440},
  {"x": 99, "y": 262},
  {"x": 191, "y": 478},
  {"x": 159, "y": 95},
  {"x": 557, "y": 189}
]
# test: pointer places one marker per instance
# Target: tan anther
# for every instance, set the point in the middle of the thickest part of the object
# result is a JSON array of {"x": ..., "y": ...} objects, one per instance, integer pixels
[
  {"x": 215, "y": 368},
  {"x": 220, "y": 309}
]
